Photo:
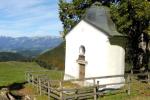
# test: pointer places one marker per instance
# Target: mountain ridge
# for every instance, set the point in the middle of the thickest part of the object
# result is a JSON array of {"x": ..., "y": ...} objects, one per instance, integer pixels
[{"x": 35, "y": 45}]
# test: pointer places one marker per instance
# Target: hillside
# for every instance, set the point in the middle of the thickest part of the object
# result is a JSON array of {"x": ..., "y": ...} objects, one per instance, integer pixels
[
  {"x": 11, "y": 56},
  {"x": 55, "y": 57}
]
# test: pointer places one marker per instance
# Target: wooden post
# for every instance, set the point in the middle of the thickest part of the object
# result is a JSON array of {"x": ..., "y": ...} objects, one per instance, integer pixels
[
  {"x": 148, "y": 78},
  {"x": 95, "y": 88},
  {"x": 40, "y": 88},
  {"x": 76, "y": 93},
  {"x": 129, "y": 85},
  {"x": 61, "y": 91},
  {"x": 29, "y": 80},
  {"x": 132, "y": 70},
  {"x": 25, "y": 76},
  {"x": 48, "y": 90},
  {"x": 32, "y": 79},
  {"x": 37, "y": 84}
]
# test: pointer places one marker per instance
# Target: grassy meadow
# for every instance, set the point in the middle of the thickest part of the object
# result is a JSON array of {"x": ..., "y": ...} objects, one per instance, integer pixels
[
  {"x": 139, "y": 91},
  {"x": 14, "y": 72}
]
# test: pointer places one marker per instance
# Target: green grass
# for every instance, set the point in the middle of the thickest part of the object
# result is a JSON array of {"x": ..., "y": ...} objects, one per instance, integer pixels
[
  {"x": 14, "y": 72},
  {"x": 139, "y": 91}
]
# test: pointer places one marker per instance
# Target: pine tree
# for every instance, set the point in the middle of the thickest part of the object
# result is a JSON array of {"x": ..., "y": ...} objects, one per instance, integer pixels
[{"x": 132, "y": 17}]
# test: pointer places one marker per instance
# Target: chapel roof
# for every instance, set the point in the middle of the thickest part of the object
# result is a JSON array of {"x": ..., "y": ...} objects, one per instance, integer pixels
[{"x": 99, "y": 17}]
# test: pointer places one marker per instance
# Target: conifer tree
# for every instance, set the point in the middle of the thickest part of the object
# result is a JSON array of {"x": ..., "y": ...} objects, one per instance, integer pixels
[{"x": 132, "y": 17}]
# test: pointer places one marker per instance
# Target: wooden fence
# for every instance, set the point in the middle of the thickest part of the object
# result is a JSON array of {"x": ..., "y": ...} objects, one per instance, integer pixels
[{"x": 70, "y": 89}]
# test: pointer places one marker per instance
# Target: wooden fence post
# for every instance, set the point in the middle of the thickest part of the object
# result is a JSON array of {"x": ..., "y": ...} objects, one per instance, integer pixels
[
  {"x": 61, "y": 91},
  {"x": 40, "y": 88},
  {"x": 37, "y": 84},
  {"x": 129, "y": 85},
  {"x": 76, "y": 93},
  {"x": 48, "y": 90},
  {"x": 148, "y": 78},
  {"x": 32, "y": 78},
  {"x": 95, "y": 88},
  {"x": 25, "y": 76},
  {"x": 29, "y": 80},
  {"x": 131, "y": 70}
]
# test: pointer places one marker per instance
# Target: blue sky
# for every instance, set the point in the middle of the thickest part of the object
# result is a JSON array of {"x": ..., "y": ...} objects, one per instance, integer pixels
[{"x": 29, "y": 18}]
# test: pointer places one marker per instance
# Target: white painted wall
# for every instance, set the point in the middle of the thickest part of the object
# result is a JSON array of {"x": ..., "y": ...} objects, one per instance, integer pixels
[{"x": 103, "y": 59}]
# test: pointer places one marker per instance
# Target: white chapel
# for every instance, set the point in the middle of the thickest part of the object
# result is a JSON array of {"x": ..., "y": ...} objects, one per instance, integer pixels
[{"x": 94, "y": 47}]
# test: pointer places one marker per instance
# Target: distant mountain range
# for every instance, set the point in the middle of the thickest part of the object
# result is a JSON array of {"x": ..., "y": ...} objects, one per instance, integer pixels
[{"x": 28, "y": 46}]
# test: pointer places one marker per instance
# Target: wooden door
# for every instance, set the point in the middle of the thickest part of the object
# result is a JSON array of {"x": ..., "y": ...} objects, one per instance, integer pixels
[{"x": 82, "y": 71}]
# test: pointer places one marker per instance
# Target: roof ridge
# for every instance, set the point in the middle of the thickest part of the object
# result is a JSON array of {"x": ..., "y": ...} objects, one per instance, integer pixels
[{"x": 99, "y": 17}]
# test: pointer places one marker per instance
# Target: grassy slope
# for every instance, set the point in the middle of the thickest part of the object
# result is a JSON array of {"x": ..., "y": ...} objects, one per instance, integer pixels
[
  {"x": 14, "y": 72},
  {"x": 55, "y": 57}
]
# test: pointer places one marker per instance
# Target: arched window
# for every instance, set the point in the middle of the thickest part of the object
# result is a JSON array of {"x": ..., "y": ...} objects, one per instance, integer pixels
[{"x": 81, "y": 50}]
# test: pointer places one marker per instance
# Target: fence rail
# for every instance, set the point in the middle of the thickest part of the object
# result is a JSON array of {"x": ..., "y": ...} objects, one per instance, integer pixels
[{"x": 58, "y": 89}]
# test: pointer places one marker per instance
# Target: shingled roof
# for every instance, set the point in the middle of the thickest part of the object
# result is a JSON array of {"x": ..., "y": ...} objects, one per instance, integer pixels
[{"x": 99, "y": 17}]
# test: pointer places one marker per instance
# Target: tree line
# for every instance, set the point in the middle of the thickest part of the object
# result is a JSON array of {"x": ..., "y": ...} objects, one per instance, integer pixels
[{"x": 12, "y": 56}]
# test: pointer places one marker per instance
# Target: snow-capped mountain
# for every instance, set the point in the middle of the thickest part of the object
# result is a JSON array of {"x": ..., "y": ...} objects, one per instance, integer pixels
[{"x": 28, "y": 46}]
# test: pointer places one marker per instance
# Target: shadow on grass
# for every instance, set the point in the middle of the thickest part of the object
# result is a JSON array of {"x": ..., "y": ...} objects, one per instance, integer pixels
[{"x": 15, "y": 86}]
